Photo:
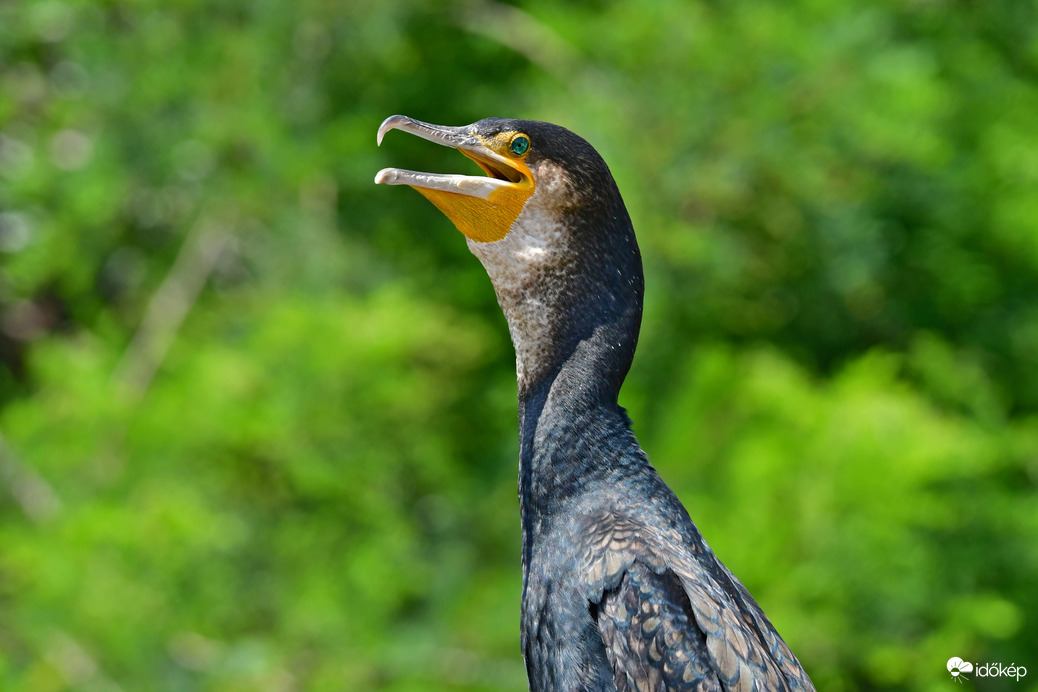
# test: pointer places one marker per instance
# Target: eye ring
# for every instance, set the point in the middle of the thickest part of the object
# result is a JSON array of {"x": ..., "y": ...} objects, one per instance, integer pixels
[{"x": 519, "y": 145}]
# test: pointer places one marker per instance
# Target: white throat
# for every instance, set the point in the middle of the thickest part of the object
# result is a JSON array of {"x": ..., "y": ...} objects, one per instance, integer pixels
[{"x": 530, "y": 269}]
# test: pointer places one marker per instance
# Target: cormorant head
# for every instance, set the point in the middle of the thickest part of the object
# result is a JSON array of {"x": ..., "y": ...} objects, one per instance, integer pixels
[{"x": 551, "y": 229}]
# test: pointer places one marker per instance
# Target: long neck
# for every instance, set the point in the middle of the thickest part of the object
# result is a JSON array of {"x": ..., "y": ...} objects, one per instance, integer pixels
[
  {"x": 575, "y": 335},
  {"x": 570, "y": 286},
  {"x": 569, "y": 419},
  {"x": 571, "y": 429}
]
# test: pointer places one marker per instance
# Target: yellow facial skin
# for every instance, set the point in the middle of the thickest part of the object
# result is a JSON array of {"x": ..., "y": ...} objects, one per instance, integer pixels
[
  {"x": 484, "y": 220},
  {"x": 483, "y": 209}
]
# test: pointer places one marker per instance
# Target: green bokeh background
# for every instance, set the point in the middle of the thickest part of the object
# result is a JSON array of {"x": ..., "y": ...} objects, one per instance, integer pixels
[{"x": 257, "y": 415}]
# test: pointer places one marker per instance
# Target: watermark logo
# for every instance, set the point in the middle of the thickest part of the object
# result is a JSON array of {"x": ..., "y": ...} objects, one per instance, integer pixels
[{"x": 958, "y": 669}]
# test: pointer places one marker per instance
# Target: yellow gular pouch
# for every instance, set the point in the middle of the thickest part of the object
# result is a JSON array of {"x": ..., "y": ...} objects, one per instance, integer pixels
[
  {"x": 482, "y": 208},
  {"x": 486, "y": 220},
  {"x": 482, "y": 220}
]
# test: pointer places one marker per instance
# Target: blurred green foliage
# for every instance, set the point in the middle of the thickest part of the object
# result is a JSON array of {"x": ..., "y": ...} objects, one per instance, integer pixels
[{"x": 257, "y": 418}]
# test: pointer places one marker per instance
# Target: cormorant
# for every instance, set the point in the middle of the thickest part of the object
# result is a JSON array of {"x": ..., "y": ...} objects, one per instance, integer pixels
[{"x": 620, "y": 591}]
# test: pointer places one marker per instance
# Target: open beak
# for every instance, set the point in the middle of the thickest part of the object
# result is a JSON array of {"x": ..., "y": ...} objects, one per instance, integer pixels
[{"x": 482, "y": 208}]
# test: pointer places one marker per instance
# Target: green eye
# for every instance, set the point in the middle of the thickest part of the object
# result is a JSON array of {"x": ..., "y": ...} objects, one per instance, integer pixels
[{"x": 520, "y": 145}]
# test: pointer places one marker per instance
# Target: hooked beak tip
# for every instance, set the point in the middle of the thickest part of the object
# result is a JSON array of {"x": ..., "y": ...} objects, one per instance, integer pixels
[{"x": 393, "y": 122}]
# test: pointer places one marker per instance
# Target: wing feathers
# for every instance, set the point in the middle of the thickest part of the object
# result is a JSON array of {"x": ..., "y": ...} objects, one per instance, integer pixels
[
  {"x": 679, "y": 621},
  {"x": 649, "y": 635}
]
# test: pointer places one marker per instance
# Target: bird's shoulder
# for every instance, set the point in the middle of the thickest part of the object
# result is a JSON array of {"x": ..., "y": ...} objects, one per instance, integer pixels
[{"x": 672, "y": 617}]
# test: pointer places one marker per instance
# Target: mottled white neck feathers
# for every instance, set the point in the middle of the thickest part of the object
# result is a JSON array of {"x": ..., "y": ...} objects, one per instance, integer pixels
[{"x": 530, "y": 268}]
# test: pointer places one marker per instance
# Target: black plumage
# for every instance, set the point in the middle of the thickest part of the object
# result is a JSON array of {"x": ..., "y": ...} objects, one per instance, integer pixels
[{"x": 620, "y": 591}]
